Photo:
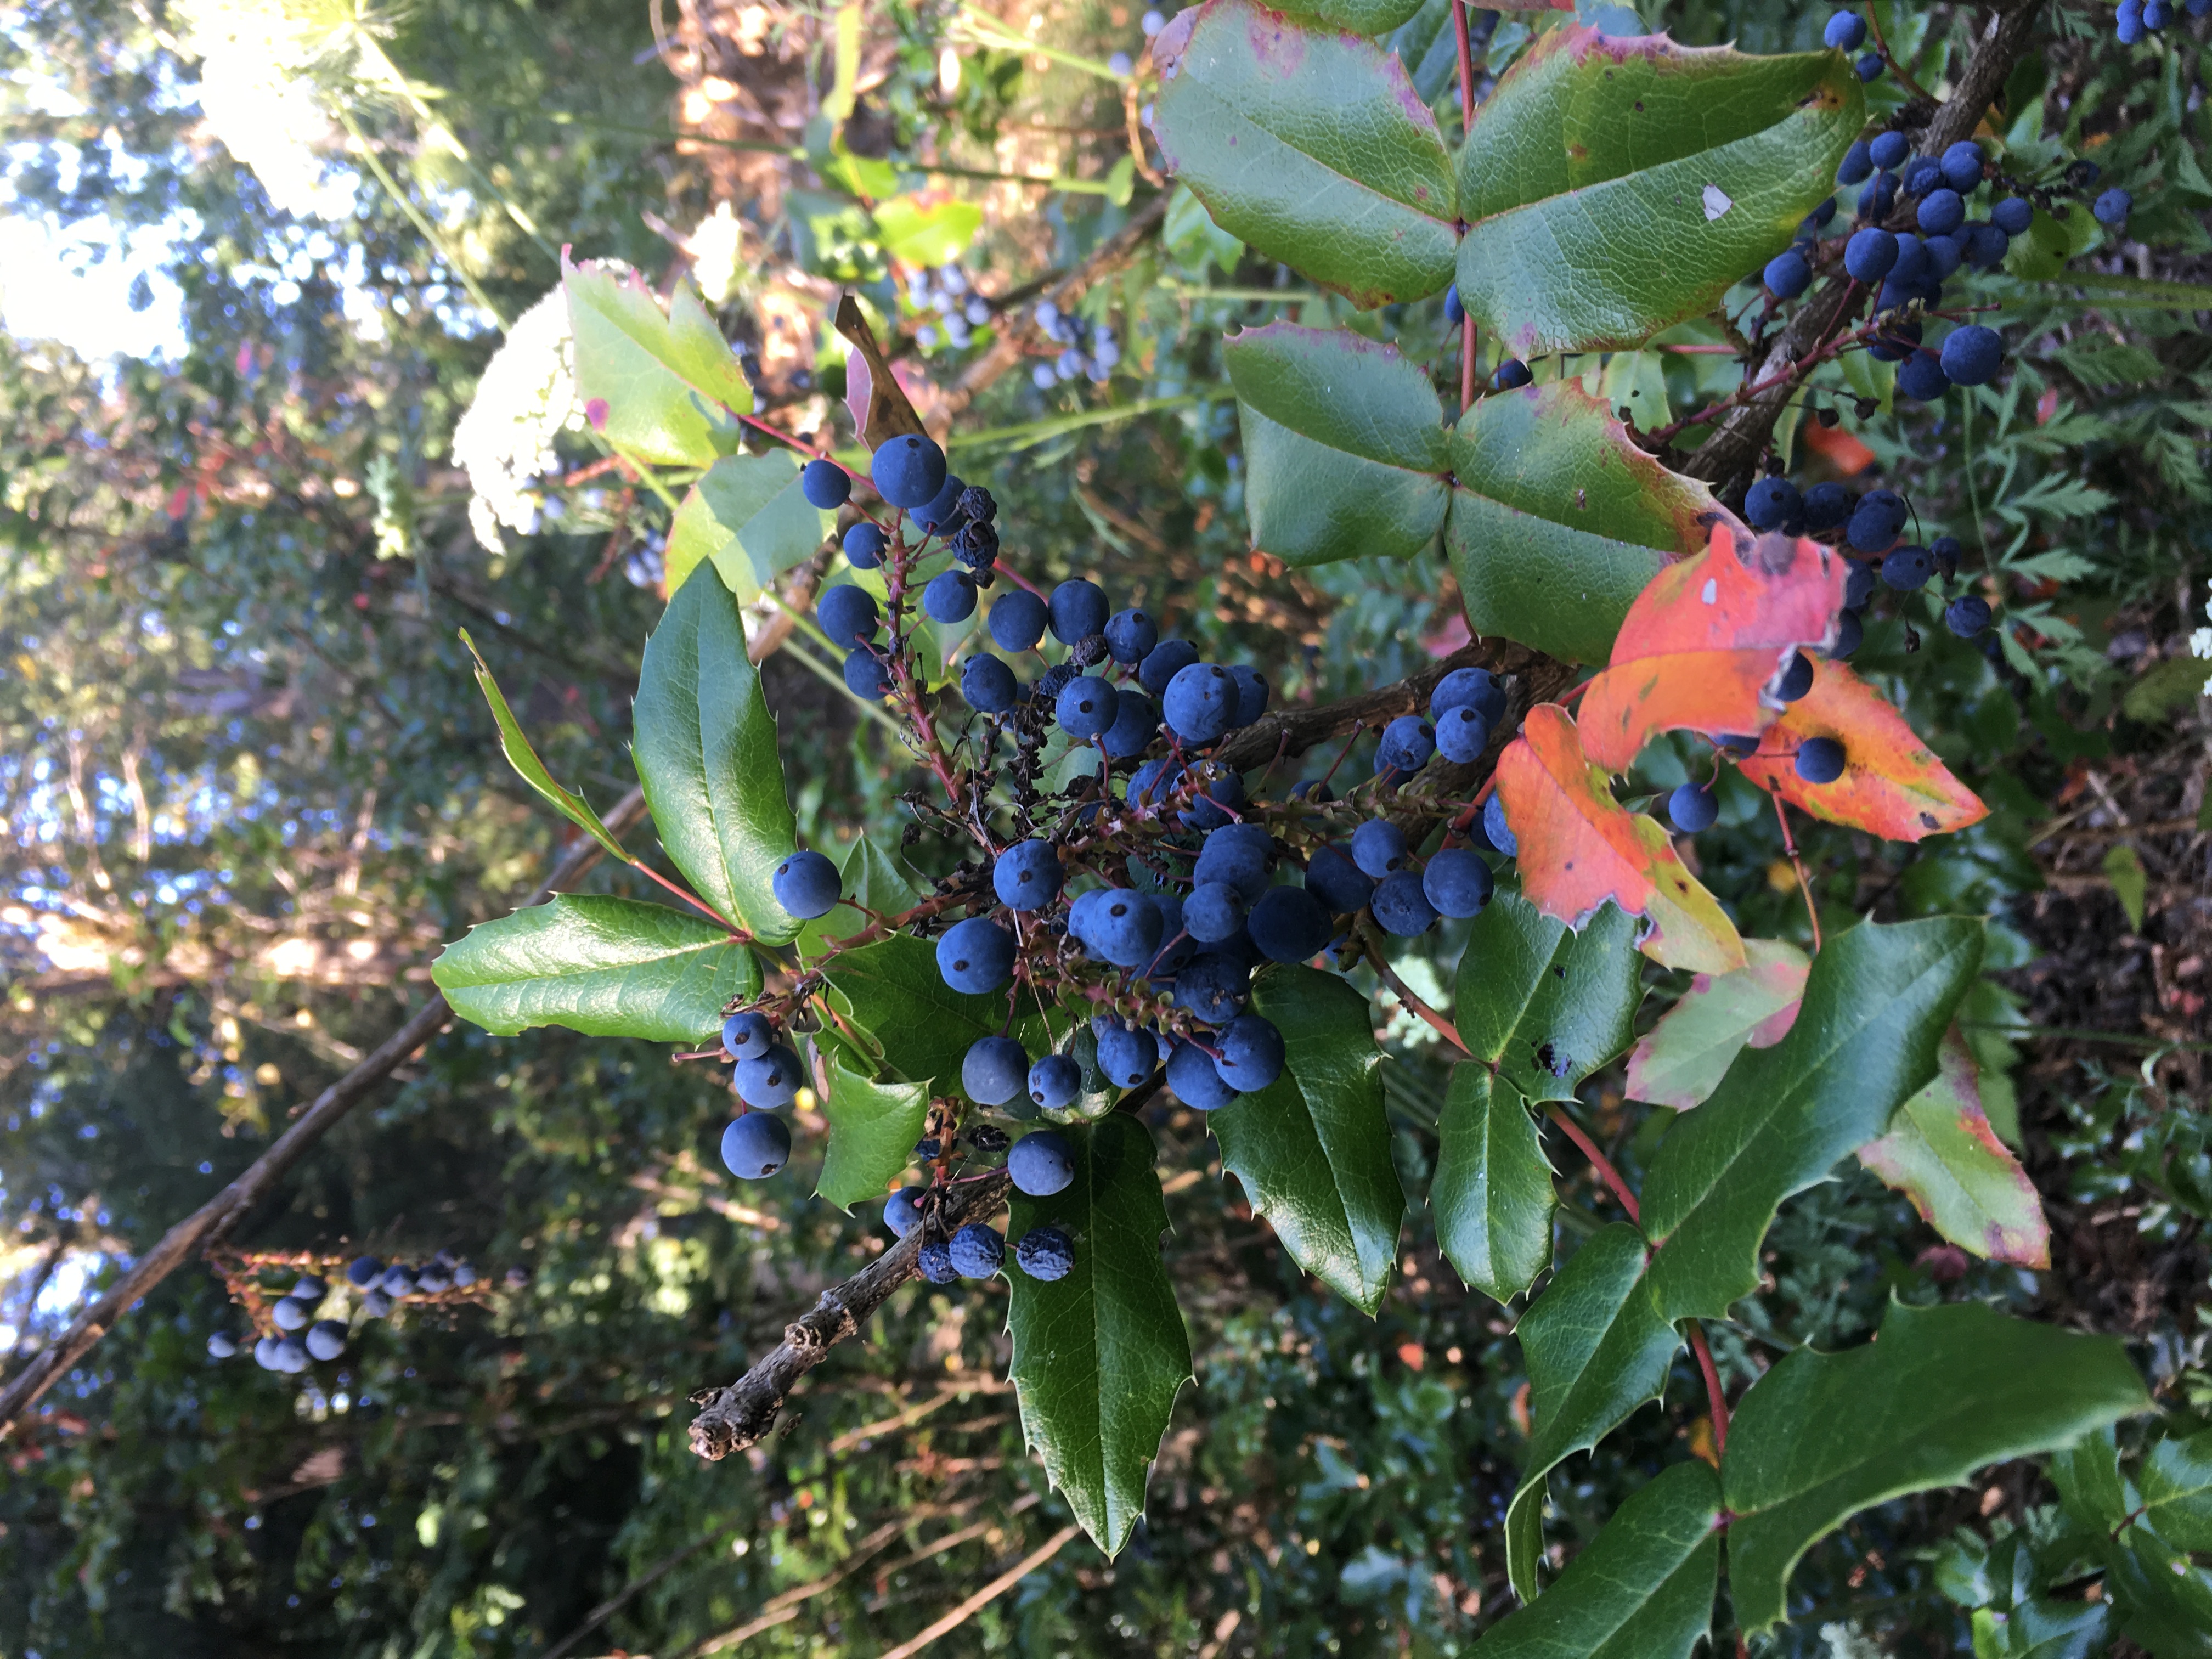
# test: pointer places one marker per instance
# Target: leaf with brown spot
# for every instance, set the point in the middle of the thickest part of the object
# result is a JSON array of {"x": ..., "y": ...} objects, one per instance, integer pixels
[{"x": 1941, "y": 1153}]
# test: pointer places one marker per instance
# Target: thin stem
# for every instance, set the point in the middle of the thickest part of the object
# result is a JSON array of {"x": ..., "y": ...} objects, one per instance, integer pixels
[
  {"x": 691, "y": 899},
  {"x": 1716, "y": 1399},
  {"x": 1903, "y": 74},
  {"x": 1598, "y": 1160},
  {"x": 1804, "y": 886},
  {"x": 1406, "y": 995},
  {"x": 1466, "y": 124}
]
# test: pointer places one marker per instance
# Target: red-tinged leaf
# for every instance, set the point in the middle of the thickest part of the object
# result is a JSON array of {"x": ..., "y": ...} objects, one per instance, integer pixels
[
  {"x": 1690, "y": 1049},
  {"x": 1892, "y": 785},
  {"x": 1941, "y": 1153},
  {"x": 1703, "y": 646},
  {"x": 1579, "y": 847}
]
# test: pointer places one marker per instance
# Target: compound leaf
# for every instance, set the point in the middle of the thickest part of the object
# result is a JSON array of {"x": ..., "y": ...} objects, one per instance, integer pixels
[
  {"x": 605, "y": 966},
  {"x": 1546, "y": 1004},
  {"x": 1687, "y": 1053},
  {"x": 1941, "y": 1153},
  {"x": 1313, "y": 1148},
  {"x": 872, "y": 1129},
  {"x": 1100, "y": 1354},
  {"x": 1492, "y": 1190},
  {"x": 516, "y": 746},
  {"x": 1309, "y": 144},
  {"x": 705, "y": 756},
  {"x": 665, "y": 385},
  {"x": 1614, "y": 186},
  {"x": 749, "y": 516},
  {"x": 1942, "y": 1392}
]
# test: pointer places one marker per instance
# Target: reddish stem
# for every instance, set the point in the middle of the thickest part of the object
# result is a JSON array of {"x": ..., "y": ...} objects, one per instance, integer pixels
[
  {"x": 1406, "y": 995},
  {"x": 693, "y": 900},
  {"x": 1598, "y": 1161},
  {"x": 1466, "y": 67},
  {"x": 1717, "y": 1400},
  {"x": 1804, "y": 885}
]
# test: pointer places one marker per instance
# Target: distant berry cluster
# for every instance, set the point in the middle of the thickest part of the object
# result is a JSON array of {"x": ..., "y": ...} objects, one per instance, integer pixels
[{"x": 298, "y": 1337}]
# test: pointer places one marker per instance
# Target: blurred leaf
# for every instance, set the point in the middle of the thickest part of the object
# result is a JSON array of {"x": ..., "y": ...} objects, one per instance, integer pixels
[
  {"x": 664, "y": 386},
  {"x": 1941, "y": 1153},
  {"x": 1355, "y": 16},
  {"x": 524, "y": 759},
  {"x": 932, "y": 235},
  {"x": 2170, "y": 687},
  {"x": 2124, "y": 868}
]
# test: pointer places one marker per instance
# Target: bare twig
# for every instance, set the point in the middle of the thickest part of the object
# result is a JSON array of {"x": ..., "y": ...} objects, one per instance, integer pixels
[
  {"x": 215, "y": 1220},
  {"x": 983, "y": 1597}
]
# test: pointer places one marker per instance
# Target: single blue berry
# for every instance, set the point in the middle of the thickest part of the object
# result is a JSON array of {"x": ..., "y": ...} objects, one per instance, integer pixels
[
  {"x": 292, "y": 1355},
  {"x": 1250, "y": 1054},
  {"x": 993, "y": 1071},
  {"x": 1869, "y": 254},
  {"x": 290, "y": 1314},
  {"x": 1941, "y": 212},
  {"x": 1124, "y": 928},
  {"x": 364, "y": 1270},
  {"x": 2157, "y": 14},
  {"x": 1469, "y": 688},
  {"x": 221, "y": 1346},
  {"x": 1288, "y": 925},
  {"x": 1827, "y": 507},
  {"x": 772, "y": 1080},
  {"x": 1850, "y": 632},
  {"x": 1820, "y": 760},
  {"x": 1462, "y": 736},
  {"x": 1342, "y": 886},
  {"x": 1496, "y": 830},
  {"x": 1251, "y": 695},
  {"x": 1126, "y": 1055},
  {"x": 2112, "y": 207},
  {"x": 1967, "y": 615},
  {"x": 1400, "y": 905},
  {"x": 1869, "y": 66},
  {"x": 1454, "y": 311},
  {"x": 908, "y": 471},
  {"x": 1018, "y": 620},
  {"x": 1054, "y": 1082},
  {"x": 1921, "y": 377},
  {"x": 934, "y": 1262},
  {"x": 1908, "y": 568},
  {"x": 1163, "y": 663},
  {"x": 1922, "y": 174},
  {"x": 1378, "y": 847},
  {"x": 806, "y": 885},
  {"x": 1026, "y": 876},
  {"x": 1946, "y": 550},
  {"x": 864, "y": 546},
  {"x": 940, "y": 514},
  {"x": 1972, "y": 354},
  {"x": 867, "y": 676},
  {"x": 2128, "y": 23},
  {"x": 1196, "y": 1080},
  {"x": 977, "y": 1251},
  {"x": 950, "y": 597},
  {"x": 1797, "y": 679},
  {"x": 1212, "y": 986},
  {"x": 1200, "y": 703},
  {"x": 1692, "y": 808},
  {"x": 1962, "y": 166},
  {"x": 1877, "y": 522},
  {"x": 988, "y": 685},
  {"x": 1236, "y": 854},
  {"x": 1845, "y": 30},
  {"x": 1771, "y": 503},
  {"x": 1136, "y": 723},
  {"x": 1130, "y": 636},
  {"x": 309, "y": 1289},
  {"x": 1787, "y": 274},
  {"x": 1209, "y": 808},
  {"x": 754, "y": 1146},
  {"x": 1078, "y": 610},
  {"x": 848, "y": 615},
  {"x": 1985, "y": 246},
  {"x": 1510, "y": 376},
  {"x": 326, "y": 1338},
  {"x": 745, "y": 1035},
  {"x": 1875, "y": 201},
  {"x": 2013, "y": 215},
  {"x": 825, "y": 484},
  {"x": 1857, "y": 164},
  {"x": 1214, "y": 911},
  {"x": 1895, "y": 341},
  {"x": 1737, "y": 745},
  {"x": 1152, "y": 784},
  {"x": 903, "y": 1210},
  {"x": 1045, "y": 1254},
  {"x": 376, "y": 1303},
  {"x": 398, "y": 1281},
  {"x": 976, "y": 956},
  {"x": 1457, "y": 883},
  {"x": 1408, "y": 744},
  {"x": 1086, "y": 708}
]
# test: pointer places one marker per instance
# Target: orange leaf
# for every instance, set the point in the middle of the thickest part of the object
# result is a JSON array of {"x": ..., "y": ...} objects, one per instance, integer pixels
[
  {"x": 1703, "y": 645},
  {"x": 1891, "y": 784},
  {"x": 1579, "y": 847}
]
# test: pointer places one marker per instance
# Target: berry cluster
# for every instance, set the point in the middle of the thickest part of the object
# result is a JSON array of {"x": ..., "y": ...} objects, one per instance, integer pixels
[
  {"x": 960, "y": 310},
  {"x": 2137, "y": 18},
  {"x": 1073, "y": 362},
  {"x": 1868, "y": 529},
  {"x": 1847, "y": 32},
  {"x": 300, "y": 1338}
]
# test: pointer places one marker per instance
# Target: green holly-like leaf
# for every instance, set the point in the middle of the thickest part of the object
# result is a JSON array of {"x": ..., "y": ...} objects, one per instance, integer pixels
[
  {"x": 1368, "y": 17},
  {"x": 872, "y": 1129},
  {"x": 1544, "y": 1004},
  {"x": 524, "y": 759},
  {"x": 1492, "y": 1190},
  {"x": 1655, "y": 174},
  {"x": 607, "y": 966},
  {"x": 749, "y": 515},
  {"x": 1100, "y": 1354},
  {"x": 1309, "y": 144},
  {"x": 891, "y": 993},
  {"x": 2176, "y": 1483},
  {"x": 868, "y": 876},
  {"x": 1643, "y": 1589},
  {"x": 705, "y": 756},
  {"x": 2163, "y": 1599},
  {"x": 1942, "y": 1392},
  {"x": 1941, "y": 1153},
  {"x": 663, "y": 385},
  {"x": 1687, "y": 1053},
  {"x": 1313, "y": 1148},
  {"x": 1555, "y": 521}
]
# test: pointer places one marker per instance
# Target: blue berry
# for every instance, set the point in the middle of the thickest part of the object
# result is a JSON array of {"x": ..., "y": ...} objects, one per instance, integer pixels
[
  {"x": 1985, "y": 246},
  {"x": 291, "y": 1355},
  {"x": 2112, "y": 207},
  {"x": 376, "y": 1303},
  {"x": 2013, "y": 215},
  {"x": 1236, "y": 854},
  {"x": 977, "y": 1251},
  {"x": 993, "y": 1071},
  {"x": 1086, "y": 708},
  {"x": 1026, "y": 876},
  {"x": 1510, "y": 376},
  {"x": 1737, "y": 745},
  {"x": 1820, "y": 760},
  {"x": 1212, "y": 985},
  {"x": 1196, "y": 1080},
  {"x": 1972, "y": 354},
  {"x": 1152, "y": 783},
  {"x": 941, "y": 512},
  {"x": 902, "y": 1211},
  {"x": 1018, "y": 620},
  {"x": 2128, "y": 24},
  {"x": 1850, "y": 632},
  {"x": 1407, "y": 742},
  {"x": 1054, "y": 1082},
  {"x": 825, "y": 485},
  {"x": 1797, "y": 679},
  {"x": 1378, "y": 847},
  {"x": 934, "y": 1262},
  {"x": 1496, "y": 830},
  {"x": 1126, "y": 1055},
  {"x": 1045, "y": 1254},
  {"x": 988, "y": 685},
  {"x": 1251, "y": 695},
  {"x": 1941, "y": 212},
  {"x": 1924, "y": 174},
  {"x": 1889, "y": 151},
  {"x": 1163, "y": 663},
  {"x": 976, "y": 956},
  {"x": 1895, "y": 341},
  {"x": 1130, "y": 636},
  {"x": 1946, "y": 551},
  {"x": 1967, "y": 615},
  {"x": 950, "y": 597},
  {"x": 1921, "y": 377},
  {"x": 1869, "y": 254},
  {"x": 1251, "y": 1053},
  {"x": 848, "y": 615},
  {"x": 1827, "y": 507},
  {"x": 327, "y": 1339},
  {"x": 1079, "y": 610},
  {"x": 1462, "y": 736},
  {"x": 1875, "y": 201},
  {"x": 1877, "y": 522},
  {"x": 745, "y": 1037},
  {"x": 1400, "y": 905},
  {"x": 1288, "y": 925},
  {"x": 1908, "y": 568},
  {"x": 806, "y": 885},
  {"x": 1042, "y": 1163},
  {"x": 290, "y": 1313},
  {"x": 1692, "y": 808},
  {"x": 364, "y": 1270},
  {"x": 1857, "y": 164},
  {"x": 908, "y": 471},
  {"x": 1869, "y": 66},
  {"x": 1787, "y": 275},
  {"x": 1136, "y": 723},
  {"x": 867, "y": 677},
  {"x": 1200, "y": 703},
  {"x": 758, "y": 1145},
  {"x": 864, "y": 546},
  {"x": 1845, "y": 30},
  {"x": 1962, "y": 166},
  {"x": 1469, "y": 688},
  {"x": 772, "y": 1080},
  {"x": 1124, "y": 929},
  {"x": 1177, "y": 946},
  {"x": 398, "y": 1281},
  {"x": 1455, "y": 310},
  {"x": 1213, "y": 912},
  {"x": 2157, "y": 14},
  {"x": 1340, "y": 886},
  {"x": 1771, "y": 503},
  {"x": 1206, "y": 808},
  {"x": 1457, "y": 883},
  {"x": 221, "y": 1347}
]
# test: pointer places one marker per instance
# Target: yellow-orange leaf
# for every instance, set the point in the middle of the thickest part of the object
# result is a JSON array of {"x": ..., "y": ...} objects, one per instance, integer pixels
[
  {"x": 1705, "y": 641},
  {"x": 1893, "y": 786},
  {"x": 1579, "y": 847}
]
